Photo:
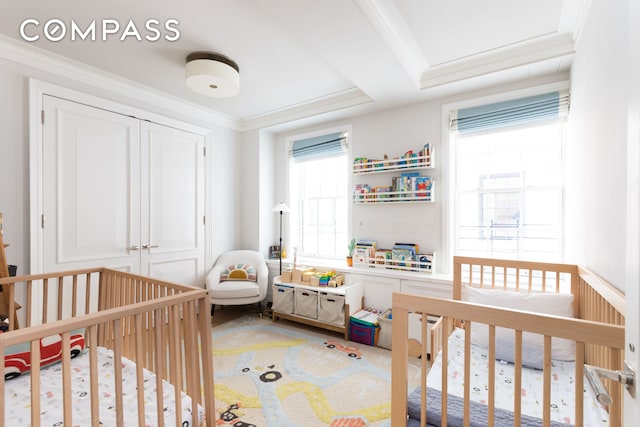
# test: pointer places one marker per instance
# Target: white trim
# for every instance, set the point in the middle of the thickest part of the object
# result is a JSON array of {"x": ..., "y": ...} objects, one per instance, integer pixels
[
  {"x": 41, "y": 59},
  {"x": 35, "y": 180},
  {"x": 573, "y": 18},
  {"x": 346, "y": 128},
  {"x": 389, "y": 23},
  {"x": 327, "y": 104},
  {"x": 554, "y": 47},
  {"x": 45, "y": 88},
  {"x": 37, "y": 90}
]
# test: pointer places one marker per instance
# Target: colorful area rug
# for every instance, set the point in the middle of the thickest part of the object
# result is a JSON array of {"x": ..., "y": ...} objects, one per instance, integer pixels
[{"x": 281, "y": 374}]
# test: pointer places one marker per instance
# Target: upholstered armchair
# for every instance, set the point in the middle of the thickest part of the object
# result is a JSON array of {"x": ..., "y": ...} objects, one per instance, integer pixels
[{"x": 238, "y": 277}]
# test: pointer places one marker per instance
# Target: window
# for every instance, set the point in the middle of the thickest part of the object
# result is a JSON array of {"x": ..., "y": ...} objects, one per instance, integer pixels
[
  {"x": 318, "y": 190},
  {"x": 508, "y": 189}
]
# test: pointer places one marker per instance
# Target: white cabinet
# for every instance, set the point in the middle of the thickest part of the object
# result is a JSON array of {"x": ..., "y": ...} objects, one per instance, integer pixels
[
  {"x": 424, "y": 288},
  {"x": 378, "y": 290},
  {"x": 323, "y": 307},
  {"x": 122, "y": 193},
  {"x": 427, "y": 288}
]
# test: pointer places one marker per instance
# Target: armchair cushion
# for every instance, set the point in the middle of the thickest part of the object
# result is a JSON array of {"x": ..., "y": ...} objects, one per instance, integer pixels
[
  {"x": 239, "y": 271},
  {"x": 235, "y": 289}
]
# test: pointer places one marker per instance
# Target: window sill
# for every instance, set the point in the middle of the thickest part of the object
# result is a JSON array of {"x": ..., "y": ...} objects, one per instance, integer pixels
[{"x": 341, "y": 266}]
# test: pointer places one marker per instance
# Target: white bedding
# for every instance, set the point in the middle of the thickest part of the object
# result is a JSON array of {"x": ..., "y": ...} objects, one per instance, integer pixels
[
  {"x": 17, "y": 395},
  {"x": 562, "y": 386}
]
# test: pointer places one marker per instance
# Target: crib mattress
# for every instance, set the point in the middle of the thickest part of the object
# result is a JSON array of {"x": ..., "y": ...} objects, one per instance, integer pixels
[
  {"x": 562, "y": 385},
  {"x": 18, "y": 400}
]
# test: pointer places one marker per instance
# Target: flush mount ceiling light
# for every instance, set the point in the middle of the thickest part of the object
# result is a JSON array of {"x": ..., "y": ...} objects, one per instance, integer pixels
[{"x": 212, "y": 74}]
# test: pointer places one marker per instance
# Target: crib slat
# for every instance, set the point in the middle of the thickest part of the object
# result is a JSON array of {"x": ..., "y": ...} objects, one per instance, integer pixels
[
  {"x": 517, "y": 381},
  {"x": 117, "y": 365},
  {"x": 467, "y": 374},
  {"x": 579, "y": 384},
  {"x": 492, "y": 374},
  {"x": 424, "y": 369},
  {"x": 445, "y": 377},
  {"x": 175, "y": 361},
  {"x": 93, "y": 375},
  {"x": 87, "y": 294},
  {"x": 29, "y": 284},
  {"x": 198, "y": 372},
  {"x": 139, "y": 345},
  {"x": 159, "y": 365},
  {"x": 546, "y": 373},
  {"x": 35, "y": 383},
  {"x": 45, "y": 300},
  {"x": 66, "y": 379}
]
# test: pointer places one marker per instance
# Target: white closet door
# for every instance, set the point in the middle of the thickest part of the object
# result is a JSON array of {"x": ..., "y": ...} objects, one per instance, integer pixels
[
  {"x": 91, "y": 210},
  {"x": 172, "y": 235}
]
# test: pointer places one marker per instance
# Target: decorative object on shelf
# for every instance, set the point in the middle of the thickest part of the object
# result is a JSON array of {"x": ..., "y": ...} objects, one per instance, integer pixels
[
  {"x": 212, "y": 74},
  {"x": 280, "y": 207},
  {"x": 351, "y": 247}
]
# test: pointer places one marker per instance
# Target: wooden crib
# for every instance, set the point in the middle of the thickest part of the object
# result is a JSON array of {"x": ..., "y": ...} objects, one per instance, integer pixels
[
  {"x": 597, "y": 330},
  {"x": 160, "y": 329}
]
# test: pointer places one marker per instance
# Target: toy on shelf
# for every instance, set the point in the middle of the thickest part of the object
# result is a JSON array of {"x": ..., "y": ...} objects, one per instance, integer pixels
[{"x": 310, "y": 277}]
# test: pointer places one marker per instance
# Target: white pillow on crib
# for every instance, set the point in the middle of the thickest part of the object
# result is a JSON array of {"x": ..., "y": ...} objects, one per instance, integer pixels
[{"x": 556, "y": 304}]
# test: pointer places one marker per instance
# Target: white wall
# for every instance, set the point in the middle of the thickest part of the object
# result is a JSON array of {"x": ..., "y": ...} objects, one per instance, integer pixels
[
  {"x": 14, "y": 165},
  {"x": 255, "y": 170},
  {"x": 394, "y": 132},
  {"x": 632, "y": 316},
  {"x": 596, "y": 197},
  {"x": 14, "y": 147}
]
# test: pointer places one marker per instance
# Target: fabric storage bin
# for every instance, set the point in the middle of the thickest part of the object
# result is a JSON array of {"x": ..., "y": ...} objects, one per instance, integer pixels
[
  {"x": 282, "y": 299},
  {"x": 306, "y": 303},
  {"x": 331, "y": 308},
  {"x": 384, "y": 337},
  {"x": 363, "y": 333}
]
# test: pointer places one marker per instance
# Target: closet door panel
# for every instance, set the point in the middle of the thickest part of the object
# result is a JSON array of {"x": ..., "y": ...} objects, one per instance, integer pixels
[
  {"x": 91, "y": 187},
  {"x": 173, "y": 212}
]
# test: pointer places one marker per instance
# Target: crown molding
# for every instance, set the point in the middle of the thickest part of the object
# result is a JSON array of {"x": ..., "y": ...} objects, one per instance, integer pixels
[
  {"x": 41, "y": 59},
  {"x": 326, "y": 104},
  {"x": 554, "y": 47},
  {"x": 387, "y": 21}
]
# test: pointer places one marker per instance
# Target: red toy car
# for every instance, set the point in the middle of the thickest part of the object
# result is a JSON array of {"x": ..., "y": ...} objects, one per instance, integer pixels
[
  {"x": 50, "y": 351},
  {"x": 349, "y": 350}
]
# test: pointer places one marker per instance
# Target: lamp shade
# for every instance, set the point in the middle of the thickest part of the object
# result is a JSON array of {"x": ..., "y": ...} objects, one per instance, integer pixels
[
  {"x": 212, "y": 75},
  {"x": 280, "y": 207}
]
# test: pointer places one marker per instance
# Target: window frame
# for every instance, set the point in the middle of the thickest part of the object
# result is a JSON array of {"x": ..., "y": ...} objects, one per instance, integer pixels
[
  {"x": 295, "y": 215},
  {"x": 448, "y": 183}
]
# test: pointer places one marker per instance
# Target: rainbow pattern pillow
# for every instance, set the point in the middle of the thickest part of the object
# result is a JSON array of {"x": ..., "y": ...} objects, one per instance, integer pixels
[{"x": 239, "y": 272}]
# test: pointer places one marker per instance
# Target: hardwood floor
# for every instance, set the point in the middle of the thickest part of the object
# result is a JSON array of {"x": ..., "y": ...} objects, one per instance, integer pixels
[{"x": 226, "y": 313}]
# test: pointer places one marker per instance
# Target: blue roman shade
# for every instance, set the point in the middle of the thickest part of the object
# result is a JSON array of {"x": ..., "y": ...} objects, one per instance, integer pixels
[
  {"x": 319, "y": 146},
  {"x": 509, "y": 113}
]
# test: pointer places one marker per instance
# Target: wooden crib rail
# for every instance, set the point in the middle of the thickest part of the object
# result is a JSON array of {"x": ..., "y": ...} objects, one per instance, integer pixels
[
  {"x": 581, "y": 331},
  {"x": 516, "y": 275},
  {"x": 59, "y": 295},
  {"x": 156, "y": 324}
]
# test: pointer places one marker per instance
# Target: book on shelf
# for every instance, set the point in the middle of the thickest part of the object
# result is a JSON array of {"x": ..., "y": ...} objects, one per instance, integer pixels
[
  {"x": 425, "y": 260},
  {"x": 367, "y": 316}
]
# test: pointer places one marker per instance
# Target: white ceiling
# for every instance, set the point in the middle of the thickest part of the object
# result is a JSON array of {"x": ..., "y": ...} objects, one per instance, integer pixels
[{"x": 303, "y": 57}]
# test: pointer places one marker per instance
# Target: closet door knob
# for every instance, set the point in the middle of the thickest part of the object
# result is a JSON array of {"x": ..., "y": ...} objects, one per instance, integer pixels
[
  {"x": 147, "y": 246},
  {"x": 133, "y": 248}
]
